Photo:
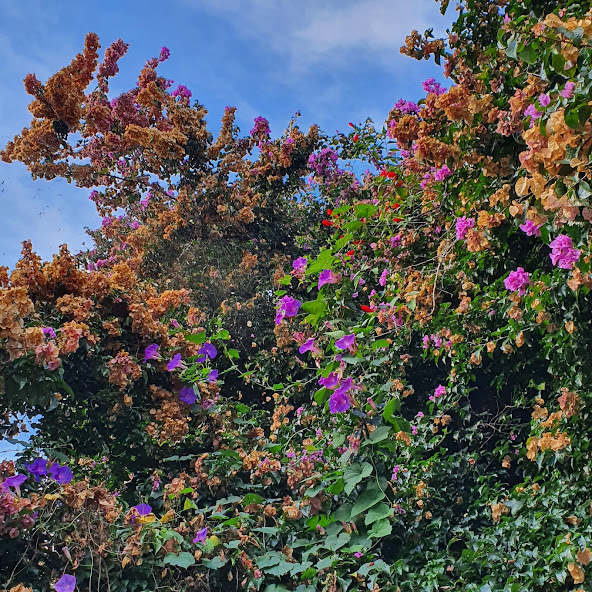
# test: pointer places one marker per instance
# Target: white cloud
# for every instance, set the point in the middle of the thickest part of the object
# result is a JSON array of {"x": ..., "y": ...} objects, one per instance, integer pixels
[{"x": 310, "y": 32}]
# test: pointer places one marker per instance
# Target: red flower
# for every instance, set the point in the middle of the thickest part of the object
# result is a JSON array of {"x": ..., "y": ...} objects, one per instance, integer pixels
[
  {"x": 350, "y": 124},
  {"x": 356, "y": 138},
  {"x": 397, "y": 219},
  {"x": 350, "y": 253},
  {"x": 329, "y": 212},
  {"x": 391, "y": 175},
  {"x": 327, "y": 223},
  {"x": 366, "y": 308}
]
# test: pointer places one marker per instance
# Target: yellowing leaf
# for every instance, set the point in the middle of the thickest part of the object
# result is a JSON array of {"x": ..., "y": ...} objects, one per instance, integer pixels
[
  {"x": 167, "y": 517},
  {"x": 148, "y": 519}
]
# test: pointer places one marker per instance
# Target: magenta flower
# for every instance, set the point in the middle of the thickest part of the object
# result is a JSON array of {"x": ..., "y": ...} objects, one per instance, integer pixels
[
  {"x": 309, "y": 346},
  {"x": 208, "y": 350},
  {"x": 15, "y": 480},
  {"x": 49, "y": 332},
  {"x": 61, "y": 474},
  {"x": 299, "y": 264},
  {"x": 187, "y": 395},
  {"x": 346, "y": 342},
  {"x": 164, "y": 54},
  {"x": 531, "y": 111},
  {"x": 151, "y": 352},
  {"x": 261, "y": 127},
  {"x": 517, "y": 281},
  {"x": 201, "y": 535},
  {"x": 431, "y": 86},
  {"x": 563, "y": 254},
  {"x": 544, "y": 100},
  {"x": 463, "y": 224},
  {"x": 358, "y": 554},
  {"x": 396, "y": 470},
  {"x": 568, "y": 90},
  {"x": 339, "y": 402},
  {"x": 442, "y": 173},
  {"x": 530, "y": 228},
  {"x": 327, "y": 276},
  {"x": 38, "y": 468},
  {"x": 383, "y": 277},
  {"x": 66, "y": 583},
  {"x": 330, "y": 382},
  {"x": 143, "y": 509},
  {"x": 440, "y": 390},
  {"x": 176, "y": 362},
  {"x": 287, "y": 307}
]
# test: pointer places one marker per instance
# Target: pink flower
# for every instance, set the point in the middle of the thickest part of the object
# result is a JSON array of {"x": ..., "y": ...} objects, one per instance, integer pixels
[
  {"x": 531, "y": 111},
  {"x": 442, "y": 173},
  {"x": 463, "y": 224},
  {"x": 530, "y": 228},
  {"x": 563, "y": 254},
  {"x": 358, "y": 554},
  {"x": 544, "y": 100},
  {"x": 568, "y": 90},
  {"x": 327, "y": 276},
  {"x": 396, "y": 470},
  {"x": 440, "y": 390},
  {"x": 309, "y": 346},
  {"x": 517, "y": 281},
  {"x": 383, "y": 277}
]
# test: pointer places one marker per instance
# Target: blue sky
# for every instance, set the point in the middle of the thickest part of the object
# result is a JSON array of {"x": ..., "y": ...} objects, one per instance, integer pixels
[{"x": 334, "y": 61}]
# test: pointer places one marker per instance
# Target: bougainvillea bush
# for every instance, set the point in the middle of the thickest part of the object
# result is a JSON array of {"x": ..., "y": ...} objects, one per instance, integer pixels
[{"x": 273, "y": 373}]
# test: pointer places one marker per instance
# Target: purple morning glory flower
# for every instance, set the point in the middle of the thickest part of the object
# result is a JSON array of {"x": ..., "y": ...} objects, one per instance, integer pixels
[
  {"x": 151, "y": 352},
  {"x": 49, "y": 332},
  {"x": 66, "y": 583},
  {"x": 61, "y": 474},
  {"x": 339, "y": 402},
  {"x": 287, "y": 307},
  {"x": 38, "y": 468},
  {"x": 213, "y": 376},
  {"x": 208, "y": 350},
  {"x": 330, "y": 382},
  {"x": 15, "y": 480},
  {"x": 346, "y": 342},
  {"x": 143, "y": 509},
  {"x": 309, "y": 345},
  {"x": 327, "y": 276},
  {"x": 187, "y": 395},
  {"x": 201, "y": 535},
  {"x": 176, "y": 362},
  {"x": 299, "y": 264}
]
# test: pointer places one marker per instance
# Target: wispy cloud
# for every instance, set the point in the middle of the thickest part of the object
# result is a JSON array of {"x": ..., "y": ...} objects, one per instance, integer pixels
[{"x": 309, "y": 33}]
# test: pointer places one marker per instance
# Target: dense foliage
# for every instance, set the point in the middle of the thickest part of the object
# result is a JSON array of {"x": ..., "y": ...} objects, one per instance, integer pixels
[{"x": 273, "y": 373}]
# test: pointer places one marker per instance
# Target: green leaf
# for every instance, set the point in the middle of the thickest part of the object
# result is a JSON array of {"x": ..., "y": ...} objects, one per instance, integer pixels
[
  {"x": 380, "y": 528},
  {"x": 233, "y": 353},
  {"x": 334, "y": 542},
  {"x": 379, "y": 434},
  {"x": 196, "y": 337},
  {"x": 365, "y": 210},
  {"x": 390, "y": 408},
  {"x": 368, "y": 498},
  {"x": 530, "y": 53},
  {"x": 189, "y": 505},
  {"x": 252, "y": 498},
  {"x": 380, "y": 343},
  {"x": 511, "y": 49},
  {"x": 315, "y": 307},
  {"x": 215, "y": 563},
  {"x": 184, "y": 559},
  {"x": 354, "y": 474},
  {"x": 378, "y": 512},
  {"x": 323, "y": 261}
]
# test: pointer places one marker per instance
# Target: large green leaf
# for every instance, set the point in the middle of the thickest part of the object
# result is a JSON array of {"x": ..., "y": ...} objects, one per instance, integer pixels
[{"x": 368, "y": 498}]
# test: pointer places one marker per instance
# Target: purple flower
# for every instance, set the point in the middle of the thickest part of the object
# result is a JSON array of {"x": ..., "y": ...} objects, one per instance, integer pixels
[
  {"x": 309, "y": 345},
  {"x": 346, "y": 342},
  {"x": 49, "y": 332},
  {"x": 143, "y": 509},
  {"x": 176, "y": 362},
  {"x": 517, "y": 281},
  {"x": 15, "y": 480},
  {"x": 175, "y": 323},
  {"x": 530, "y": 228},
  {"x": 261, "y": 127},
  {"x": 544, "y": 100},
  {"x": 339, "y": 402},
  {"x": 187, "y": 395},
  {"x": 406, "y": 107},
  {"x": 61, "y": 474},
  {"x": 287, "y": 307},
  {"x": 358, "y": 554},
  {"x": 531, "y": 111},
  {"x": 151, "y": 352},
  {"x": 38, "y": 468},
  {"x": 383, "y": 277},
  {"x": 463, "y": 224},
  {"x": 164, "y": 54},
  {"x": 182, "y": 91},
  {"x": 431, "y": 86},
  {"x": 213, "y": 376},
  {"x": 568, "y": 90},
  {"x": 201, "y": 535},
  {"x": 442, "y": 173},
  {"x": 299, "y": 264},
  {"x": 563, "y": 254},
  {"x": 66, "y": 583},
  {"x": 330, "y": 382},
  {"x": 414, "y": 430},
  {"x": 324, "y": 165},
  {"x": 396, "y": 470},
  {"x": 328, "y": 277},
  {"x": 208, "y": 350}
]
